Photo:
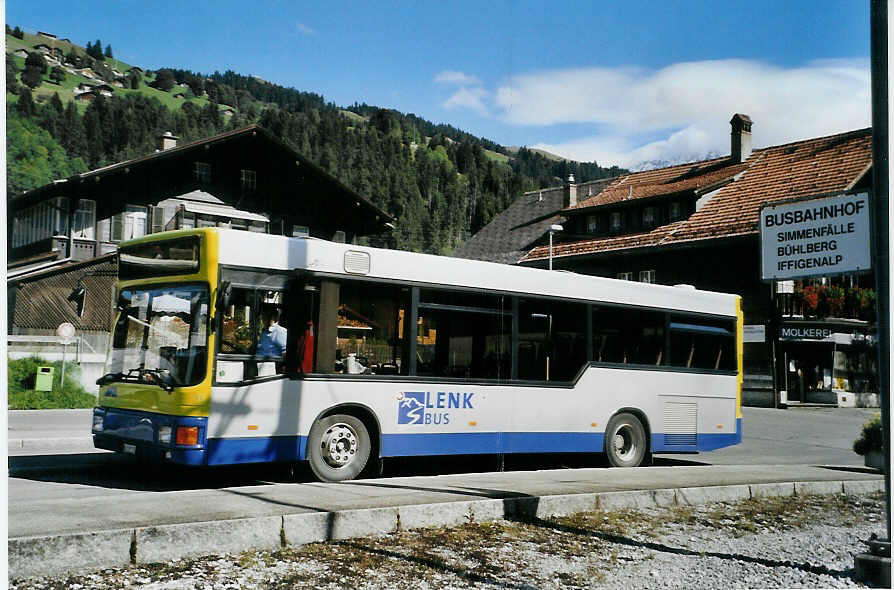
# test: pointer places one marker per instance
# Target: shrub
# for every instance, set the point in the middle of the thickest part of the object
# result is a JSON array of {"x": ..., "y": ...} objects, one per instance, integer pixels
[
  {"x": 870, "y": 437},
  {"x": 22, "y": 396}
]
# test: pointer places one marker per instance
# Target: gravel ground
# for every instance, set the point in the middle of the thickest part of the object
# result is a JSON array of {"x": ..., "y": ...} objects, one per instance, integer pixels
[{"x": 790, "y": 542}]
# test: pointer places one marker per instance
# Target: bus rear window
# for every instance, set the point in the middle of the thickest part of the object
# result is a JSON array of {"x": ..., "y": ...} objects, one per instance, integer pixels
[{"x": 161, "y": 258}]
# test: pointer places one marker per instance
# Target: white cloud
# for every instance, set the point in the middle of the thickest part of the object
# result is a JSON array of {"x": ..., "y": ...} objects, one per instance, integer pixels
[
  {"x": 304, "y": 29},
  {"x": 457, "y": 78},
  {"x": 683, "y": 110},
  {"x": 469, "y": 98}
]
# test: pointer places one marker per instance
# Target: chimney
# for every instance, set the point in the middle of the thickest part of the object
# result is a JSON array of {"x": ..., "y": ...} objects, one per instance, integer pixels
[
  {"x": 168, "y": 141},
  {"x": 740, "y": 138},
  {"x": 570, "y": 199}
]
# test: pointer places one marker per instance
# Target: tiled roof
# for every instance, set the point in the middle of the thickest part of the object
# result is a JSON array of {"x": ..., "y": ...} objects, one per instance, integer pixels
[
  {"x": 41, "y": 301},
  {"x": 511, "y": 234},
  {"x": 803, "y": 168},
  {"x": 664, "y": 181}
]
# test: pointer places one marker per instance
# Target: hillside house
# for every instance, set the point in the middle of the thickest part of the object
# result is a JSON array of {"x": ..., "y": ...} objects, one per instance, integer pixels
[
  {"x": 86, "y": 95},
  {"x": 47, "y": 35},
  {"x": 697, "y": 224},
  {"x": 43, "y": 48},
  {"x": 245, "y": 179},
  {"x": 20, "y": 53}
]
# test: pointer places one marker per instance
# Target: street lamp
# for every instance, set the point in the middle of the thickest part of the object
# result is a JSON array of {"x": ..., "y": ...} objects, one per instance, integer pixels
[{"x": 552, "y": 229}]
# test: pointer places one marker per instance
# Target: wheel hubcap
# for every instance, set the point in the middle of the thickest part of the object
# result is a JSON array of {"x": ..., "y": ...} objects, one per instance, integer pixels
[
  {"x": 339, "y": 445},
  {"x": 624, "y": 442}
]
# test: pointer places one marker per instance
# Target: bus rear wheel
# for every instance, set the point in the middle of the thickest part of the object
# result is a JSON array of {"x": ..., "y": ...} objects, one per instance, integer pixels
[
  {"x": 625, "y": 441},
  {"x": 338, "y": 447}
]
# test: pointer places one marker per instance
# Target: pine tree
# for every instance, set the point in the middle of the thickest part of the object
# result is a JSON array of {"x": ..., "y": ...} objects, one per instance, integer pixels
[
  {"x": 108, "y": 52},
  {"x": 12, "y": 72},
  {"x": 32, "y": 77},
  {"x": 25, "y": 105},
  {"x": 57, "y": 74}
]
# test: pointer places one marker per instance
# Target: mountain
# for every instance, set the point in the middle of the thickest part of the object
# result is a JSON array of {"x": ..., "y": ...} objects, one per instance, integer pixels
[
  {"x": 440, "y": 182},
  {"x": 653, "y": 164}
]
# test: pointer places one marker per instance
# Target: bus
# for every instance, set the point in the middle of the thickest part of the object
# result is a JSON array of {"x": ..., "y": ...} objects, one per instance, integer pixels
[{"x": 234, "y": 347}]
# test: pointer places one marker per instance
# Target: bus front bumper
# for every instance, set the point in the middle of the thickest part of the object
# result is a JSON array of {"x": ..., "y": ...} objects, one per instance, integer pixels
[{"x": 153, "y": 437}]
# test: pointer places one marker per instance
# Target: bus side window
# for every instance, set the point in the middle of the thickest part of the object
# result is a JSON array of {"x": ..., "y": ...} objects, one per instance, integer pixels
[
  {"x": 254, "y": 325},
  {"x": 628, "y": 336},
  {"x": 702, "y": 343},
  {"x": 236, "y": 325},
  {"x": 360, "y": 328}
]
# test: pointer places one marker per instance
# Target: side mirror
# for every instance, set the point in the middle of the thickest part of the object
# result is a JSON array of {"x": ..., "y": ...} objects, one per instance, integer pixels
[
  {"x": 78, "y": 296},
  {"x": 224, "y": 295},
  {"x": 123, "y": 302}
]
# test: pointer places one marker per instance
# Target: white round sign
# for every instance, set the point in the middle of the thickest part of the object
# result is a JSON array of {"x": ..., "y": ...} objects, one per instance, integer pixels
[{"x": 65, "y": 330}]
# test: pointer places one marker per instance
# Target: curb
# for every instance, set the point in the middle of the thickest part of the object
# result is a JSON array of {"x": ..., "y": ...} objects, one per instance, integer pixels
[
  {"x": 49, "y": 444},
  {"x": 61, "y": 554}
]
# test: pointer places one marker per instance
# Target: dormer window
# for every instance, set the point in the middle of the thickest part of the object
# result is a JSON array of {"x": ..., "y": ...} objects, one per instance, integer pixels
[
  {"x": 676, "y": 212},
  {"x": 202, "y": 172},
  {"x": 615, "y": 221},
  {"x": 649, "y": 216}
]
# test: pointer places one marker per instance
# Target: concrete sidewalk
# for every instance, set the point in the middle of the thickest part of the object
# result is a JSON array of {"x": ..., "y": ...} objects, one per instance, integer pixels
[{"x": 373, "y": 507}]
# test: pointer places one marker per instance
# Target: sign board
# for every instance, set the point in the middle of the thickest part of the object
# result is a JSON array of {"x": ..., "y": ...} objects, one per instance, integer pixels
[
  {"x": 800, "y": 333},
  {"x": 811, "y": 237},
  {"x": 754, "y": 333}
]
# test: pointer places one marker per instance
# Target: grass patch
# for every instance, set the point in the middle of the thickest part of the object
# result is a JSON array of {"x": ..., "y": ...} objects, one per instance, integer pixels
[{"x": 22, "y": 380}]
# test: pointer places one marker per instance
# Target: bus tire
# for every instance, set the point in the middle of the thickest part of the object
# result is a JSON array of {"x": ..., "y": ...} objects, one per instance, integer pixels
[
  {"x": 625, "y": 441},
  {"x": 338, "y": 447}
]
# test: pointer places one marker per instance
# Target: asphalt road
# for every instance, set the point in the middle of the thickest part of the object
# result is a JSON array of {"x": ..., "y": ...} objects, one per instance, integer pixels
[{"x": 58, "y": 485}]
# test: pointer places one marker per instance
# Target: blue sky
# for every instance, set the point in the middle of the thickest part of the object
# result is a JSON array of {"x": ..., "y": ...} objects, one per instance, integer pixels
[{"x": 614, "y": 82}]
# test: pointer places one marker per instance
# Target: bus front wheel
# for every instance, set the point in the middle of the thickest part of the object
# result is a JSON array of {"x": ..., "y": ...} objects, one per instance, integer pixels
[
  {"x": 625, "y": 441},
  {"x": 338, "y": 447}
]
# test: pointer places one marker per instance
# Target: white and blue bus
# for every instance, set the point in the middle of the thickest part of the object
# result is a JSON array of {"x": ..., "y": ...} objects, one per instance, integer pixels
[{"x": 235, "y": 347}]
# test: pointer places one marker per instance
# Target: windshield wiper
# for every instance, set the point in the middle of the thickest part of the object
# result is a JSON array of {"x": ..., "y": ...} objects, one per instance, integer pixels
[
  {"x": 110, "y": 377},
  {"x": 160, "y": 377}
]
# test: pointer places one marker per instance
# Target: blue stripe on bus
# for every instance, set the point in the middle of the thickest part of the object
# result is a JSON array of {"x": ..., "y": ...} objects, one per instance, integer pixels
[{"x": 228, "y": 451}]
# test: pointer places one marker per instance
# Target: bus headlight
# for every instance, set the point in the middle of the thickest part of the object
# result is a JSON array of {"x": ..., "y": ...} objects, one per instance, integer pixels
[
  {"x": 164, "y": 434},
  {"x": 97, "y": 423}
]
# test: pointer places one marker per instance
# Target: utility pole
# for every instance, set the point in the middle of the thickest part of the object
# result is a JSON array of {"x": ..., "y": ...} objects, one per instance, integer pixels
[{"x": 874, "y": 567}]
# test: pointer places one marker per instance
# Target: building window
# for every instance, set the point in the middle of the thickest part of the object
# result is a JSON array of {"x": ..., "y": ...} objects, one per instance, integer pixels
[
  {"x": 202, "y": 172},
  {"x": 248, "y": 178},
  {"x": 129, "y": 224},
  {"x": 339, "y": 237},
  {"x": 300, "y": 231},
  {"x": 591, "y": 224},
  {"x": 649, "y": 216},
  {"x": 647, "y": 276},
  {"x": 85, "y": 219},
  {"x": 625, "y": 276},
  {"x": 676, "y": 212},
  {"x": 615, "y": 221}
]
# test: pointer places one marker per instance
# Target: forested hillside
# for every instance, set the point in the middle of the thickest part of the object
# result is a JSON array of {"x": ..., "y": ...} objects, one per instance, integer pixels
[{"x": 441, "y": 183}]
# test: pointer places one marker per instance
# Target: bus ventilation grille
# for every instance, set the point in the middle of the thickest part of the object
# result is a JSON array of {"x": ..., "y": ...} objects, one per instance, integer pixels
[
  {"x": 356, "y": 262},
  {"x": 679, "y": 439},
  {"x": 680, "y": 423}
]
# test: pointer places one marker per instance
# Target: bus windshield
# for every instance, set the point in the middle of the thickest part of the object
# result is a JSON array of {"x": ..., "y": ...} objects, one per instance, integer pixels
[{"x": 161, "y": 336}]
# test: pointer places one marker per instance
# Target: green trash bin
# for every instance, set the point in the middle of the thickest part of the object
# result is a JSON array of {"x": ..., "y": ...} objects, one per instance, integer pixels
[{"x": 44, "y": 379}]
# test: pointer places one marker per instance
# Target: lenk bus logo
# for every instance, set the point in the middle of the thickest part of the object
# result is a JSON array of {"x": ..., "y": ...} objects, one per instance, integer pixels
[{"x": 423, "y": 407}]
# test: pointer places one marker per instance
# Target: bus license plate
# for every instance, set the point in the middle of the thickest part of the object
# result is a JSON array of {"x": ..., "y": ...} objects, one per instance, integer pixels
[{"x": 130, "y": 449}]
